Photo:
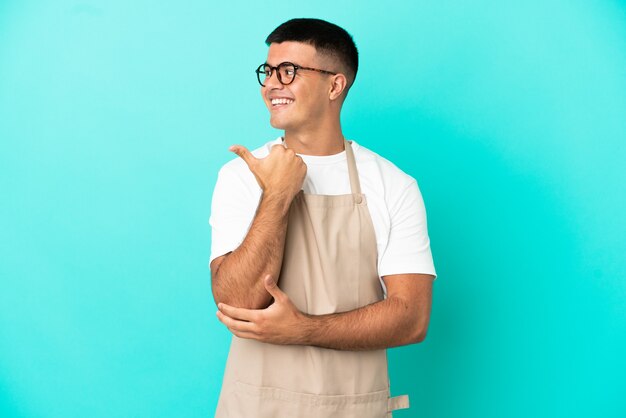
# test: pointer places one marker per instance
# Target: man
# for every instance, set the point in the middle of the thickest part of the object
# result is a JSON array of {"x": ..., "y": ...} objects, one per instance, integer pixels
[{"x": 320, "y": 251}]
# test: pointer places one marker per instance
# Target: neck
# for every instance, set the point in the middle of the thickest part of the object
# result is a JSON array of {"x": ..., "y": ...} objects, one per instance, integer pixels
[{"x": 325, "y": 139}]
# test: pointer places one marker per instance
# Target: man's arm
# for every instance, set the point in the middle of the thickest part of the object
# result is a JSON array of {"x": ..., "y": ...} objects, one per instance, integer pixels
[
  {"x": 236, "y": 278},
  {"x": 400, "y": 319}
]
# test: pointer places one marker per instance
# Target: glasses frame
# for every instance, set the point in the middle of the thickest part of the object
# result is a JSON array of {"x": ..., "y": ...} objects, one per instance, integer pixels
[{"x": 296, "y": 67}]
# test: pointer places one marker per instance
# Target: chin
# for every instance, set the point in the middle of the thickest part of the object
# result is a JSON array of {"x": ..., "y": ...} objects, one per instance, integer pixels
[{"x": 278, "y": 124}]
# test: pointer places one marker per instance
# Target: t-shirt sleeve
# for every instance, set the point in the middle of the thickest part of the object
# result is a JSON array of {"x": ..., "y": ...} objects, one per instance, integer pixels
[
  {"x": 408, "y": 247},
  {"x": 233, "y": 207}
]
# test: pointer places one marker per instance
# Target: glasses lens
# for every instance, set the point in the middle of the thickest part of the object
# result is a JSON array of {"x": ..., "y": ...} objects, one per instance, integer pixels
[
  {"x": 263, "y": 73},
  {"x": 287, "y": 72}
]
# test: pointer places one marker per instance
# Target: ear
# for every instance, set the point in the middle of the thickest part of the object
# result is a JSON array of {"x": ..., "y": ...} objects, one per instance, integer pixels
[{"x": 338, "y": 85}]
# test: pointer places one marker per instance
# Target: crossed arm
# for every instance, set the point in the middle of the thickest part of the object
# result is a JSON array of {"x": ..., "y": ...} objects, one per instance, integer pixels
[
  {"x": 402, "y": 318},
  {"x": 244, "y": 284}
]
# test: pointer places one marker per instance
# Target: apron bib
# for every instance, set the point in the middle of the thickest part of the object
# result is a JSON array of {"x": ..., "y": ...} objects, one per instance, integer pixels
[{"x": 329, "y": 266}]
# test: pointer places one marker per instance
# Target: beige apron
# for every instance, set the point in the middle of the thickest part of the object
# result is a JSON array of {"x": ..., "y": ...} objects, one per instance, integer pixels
[{"x": 329, "y": 265}]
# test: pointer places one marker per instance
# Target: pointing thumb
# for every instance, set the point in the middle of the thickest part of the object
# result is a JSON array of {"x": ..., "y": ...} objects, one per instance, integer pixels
[{"x": 243, "y": 152}]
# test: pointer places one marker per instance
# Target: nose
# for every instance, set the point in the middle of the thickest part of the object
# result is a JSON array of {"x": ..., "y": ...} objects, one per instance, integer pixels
[{"x": 272, "y": 81}]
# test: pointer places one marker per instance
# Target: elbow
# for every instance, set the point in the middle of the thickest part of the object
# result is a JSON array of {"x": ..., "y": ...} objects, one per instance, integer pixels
[
  {"x": 418, "y": 335},
  {"x": 246, "y": 301},
  {"x": 229, "y": 294},
  {"x": 412, "y": 336},
  {"x": 414, "y": 325},
  {"x": 218, "y": 296},
  {"x": 419, "y": 327},
  {"x": 218, "y": 299}
]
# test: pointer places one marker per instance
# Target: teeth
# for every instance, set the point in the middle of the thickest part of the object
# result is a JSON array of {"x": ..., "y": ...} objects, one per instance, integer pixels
[{"x": 281, "y": 101}]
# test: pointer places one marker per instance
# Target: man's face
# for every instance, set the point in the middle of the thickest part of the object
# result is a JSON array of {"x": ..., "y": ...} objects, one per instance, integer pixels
[{"x": 308, "y": 93}]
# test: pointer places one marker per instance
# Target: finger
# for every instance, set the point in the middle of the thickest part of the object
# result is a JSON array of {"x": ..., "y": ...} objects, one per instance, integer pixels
[
  {"x": 243, "y": 152},
  {"x": 236, "y": 325},
  {"x": 272, "y": 288},
  {"x": 247, "y": 335},
  {"x": 237, "y": 313},
  {"x": 240, "y": 334}
]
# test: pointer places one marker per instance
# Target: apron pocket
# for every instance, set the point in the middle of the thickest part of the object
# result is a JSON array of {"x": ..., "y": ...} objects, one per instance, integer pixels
[{"x": 271, "y": 402}]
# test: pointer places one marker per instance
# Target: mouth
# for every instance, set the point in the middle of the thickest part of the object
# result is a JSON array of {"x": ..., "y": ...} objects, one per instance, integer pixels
[{"x": 281, "y": 103}]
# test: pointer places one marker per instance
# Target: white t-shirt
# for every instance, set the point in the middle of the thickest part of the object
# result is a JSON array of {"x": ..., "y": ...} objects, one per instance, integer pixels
[{"x": 393, "y": 198}]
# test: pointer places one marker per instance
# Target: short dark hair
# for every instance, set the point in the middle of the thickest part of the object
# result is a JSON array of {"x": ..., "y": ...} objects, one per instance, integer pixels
[{"x": 327, "y": 38}]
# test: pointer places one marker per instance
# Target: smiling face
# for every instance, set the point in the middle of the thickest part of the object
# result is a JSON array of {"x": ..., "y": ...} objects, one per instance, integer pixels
[{"x": 303, "y": 104}]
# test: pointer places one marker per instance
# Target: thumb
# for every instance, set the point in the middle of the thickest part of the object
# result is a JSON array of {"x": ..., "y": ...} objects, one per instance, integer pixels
[
  {"x": 272, "y": 288},
  {"x": 243, "y": 152}
]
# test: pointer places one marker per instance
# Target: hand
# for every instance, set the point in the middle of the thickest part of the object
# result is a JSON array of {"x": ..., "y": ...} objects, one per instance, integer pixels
[
  {"x": 279, "y": 323},
  {"x": 282, "y": 172}
]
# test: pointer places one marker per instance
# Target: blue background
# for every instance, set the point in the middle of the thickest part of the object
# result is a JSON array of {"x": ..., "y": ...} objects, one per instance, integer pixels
[{"x": 116, "y": 116}]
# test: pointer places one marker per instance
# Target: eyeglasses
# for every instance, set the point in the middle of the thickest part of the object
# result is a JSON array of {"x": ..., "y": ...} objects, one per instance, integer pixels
[{"x": 286, "y": 72}]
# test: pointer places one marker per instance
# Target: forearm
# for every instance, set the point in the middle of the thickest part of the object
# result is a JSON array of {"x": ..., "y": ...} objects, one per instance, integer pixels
[
  {"x": 238, "y": 280},
  {"x": 379, "y": 325}
]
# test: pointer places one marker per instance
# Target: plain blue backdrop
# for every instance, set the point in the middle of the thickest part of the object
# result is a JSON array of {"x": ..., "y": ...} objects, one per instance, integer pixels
[{"x": 116, "y": 116}]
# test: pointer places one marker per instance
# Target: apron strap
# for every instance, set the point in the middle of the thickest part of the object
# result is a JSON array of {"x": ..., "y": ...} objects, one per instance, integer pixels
[
  {"x": 398, "y": 402},
  {"x": 355, "y": 185}
]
